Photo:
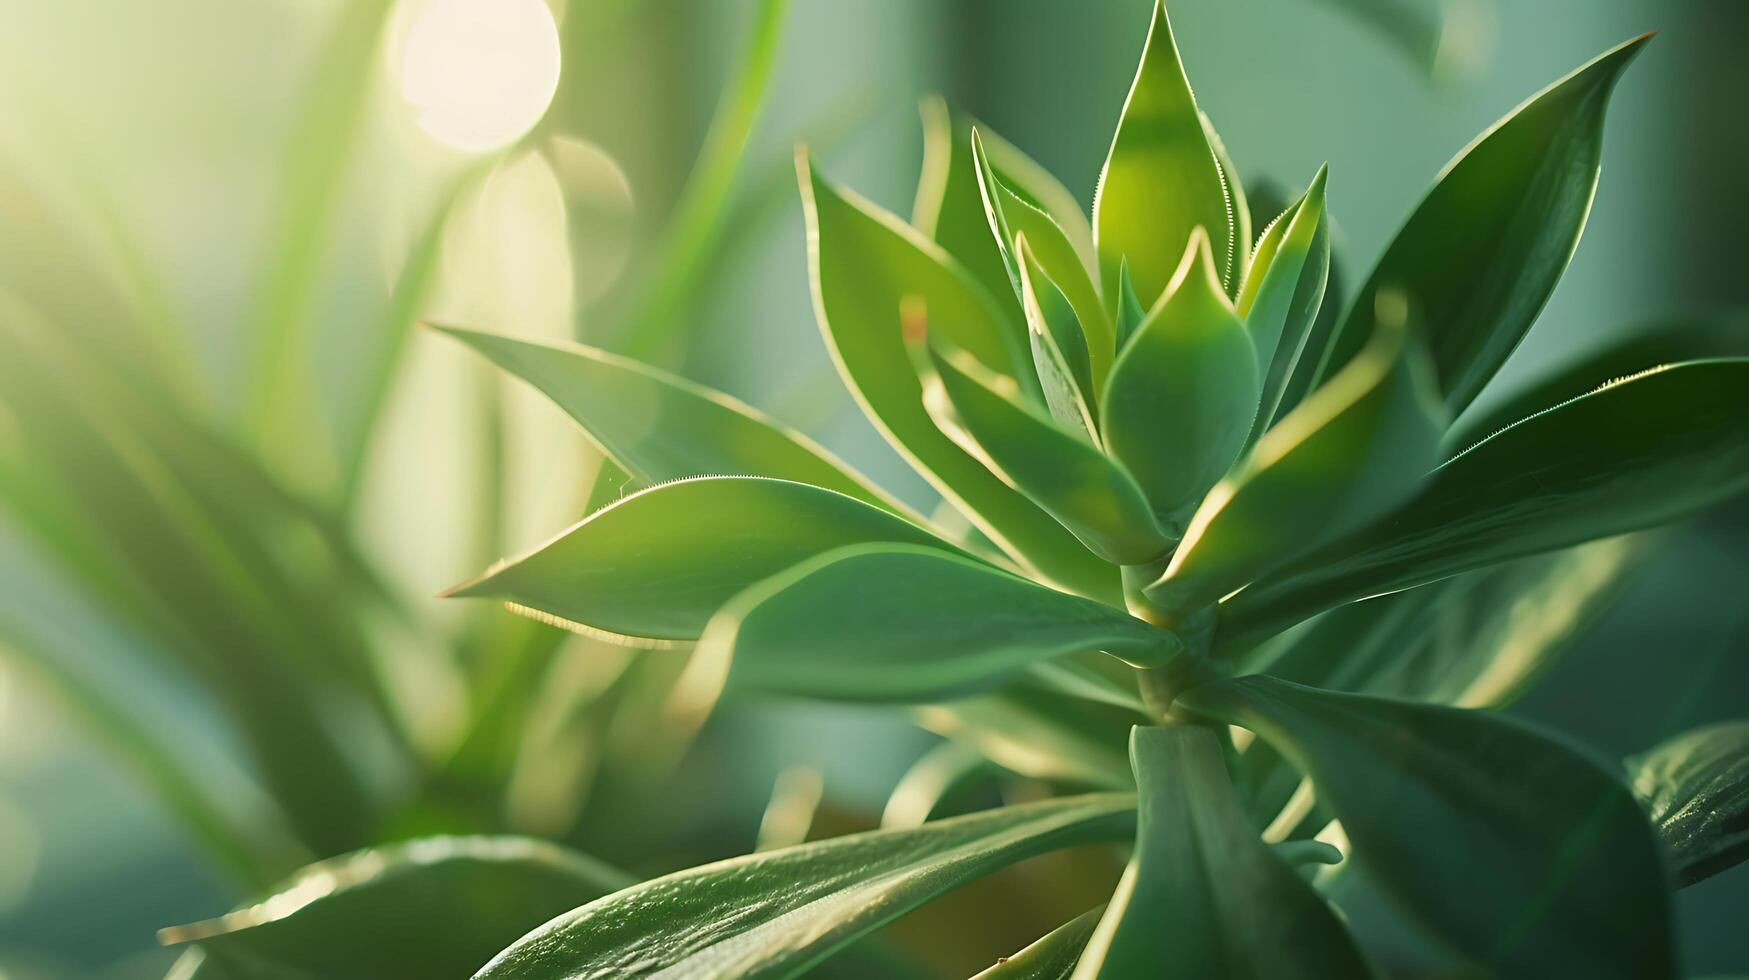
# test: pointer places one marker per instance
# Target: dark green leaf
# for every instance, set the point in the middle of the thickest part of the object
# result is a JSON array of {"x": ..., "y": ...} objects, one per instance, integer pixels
[
  {"x": 436, "y": 907},
  {"x": 1203, "y": 896},
  {"x": 910, "y": 624},
  {"x": 777, "y": 913},
  {"x": 1633, "y": 454},
  {"x": 657, "y": 564},
  {"x": 1482, "y": 253},
  {"x": 1052, "y": 957},
  {"x": 1696, "y": 787},
  {"x": 1283, "y": 292},
  {"x": 1527, "y": 857}
]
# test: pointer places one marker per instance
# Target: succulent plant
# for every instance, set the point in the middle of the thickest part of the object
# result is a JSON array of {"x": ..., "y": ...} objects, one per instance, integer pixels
[{"x": 1199, "y": 501}]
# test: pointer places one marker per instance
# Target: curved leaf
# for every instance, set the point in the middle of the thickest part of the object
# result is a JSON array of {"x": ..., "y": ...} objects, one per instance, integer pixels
[
  {"x": 1033, "y": 730},
  {"x": 658, "y": 426},
  {"x": 1161, "y": 179},
  {"x": 950, "y": 209},
  {"x": 1183, "y": 394},
  {"x": 777, "y": 913},
  {"x": 1203, "y": 896},
  {"x": 1482, "y": 253},
  {"x": 1059, "y": 347},
  {"x": 1081, "y": 487},
  {"x": 864, "y": 265},
  {"x": 1633, "y": 454},
  {"x": 434, "y": 907},
  {"x": 657, "y": 564},
  {"x": 1527, "y": 857},
  {"x": 1052, "y": 957},
  {"x": 1283, "y": 292},
  {"x": 897, "y": 623},
  {"x": 1696, "y": 787}
]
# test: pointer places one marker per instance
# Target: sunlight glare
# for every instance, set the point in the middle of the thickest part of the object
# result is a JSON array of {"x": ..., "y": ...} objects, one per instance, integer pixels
[{"x": 479, "y": 73}]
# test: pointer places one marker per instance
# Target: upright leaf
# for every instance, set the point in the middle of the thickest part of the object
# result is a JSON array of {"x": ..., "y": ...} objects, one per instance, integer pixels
[
  {"x": 1059, "y": 346},
  {"x": 1184, "y": 391},
  {"x": 1525, "y": 856},
  {"x": 1482, "y": 253},
  {"x": 950, "y": 209},
  {"x": 1632, "y": 454},
  {"x": 1696, "y": 787},
  {"x": 933, "y": 626},
  {"x": 1161, "y": 179},
  {"x": 778, "y": 913},
  {"x": 657, "y": 564},
  {"x": 1283, "y": 292},
  {"x": 1203, "y": 896}
]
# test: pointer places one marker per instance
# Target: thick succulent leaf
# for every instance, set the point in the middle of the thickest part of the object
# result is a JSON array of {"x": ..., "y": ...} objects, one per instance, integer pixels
[
  {"x": 1355, "y": 449},
  {"x": 865, "y": 264},
  {"x": 1011, "y": 216},
  {"x": 1161, "y": 179},
  {"x": 775, "y": 914},
  {"x": 1059, "y": 347},
  {"x": 1091, "y": 494},
  {"x": 1482, "y": 253},
  {"x": 1238, "y": 206},
  {"x": 1298, "y": 383},
  {"x": 1130, "y": 312},
  {"x": 1525, "y": 856},
  {"x": 657, "y": 564},
  {"x": 1696, "y": 787},
  {"x": 1203, "y": 896},
  {"x": 1633, "y": 454},
  {"x": 1052, "y": 957},
  {"x": 1183, "y": 394},
  {"x": 949, "y": 208},
  {"x": 434, "y": 907},
  {"x": 1283, "y": 292},
  {"x": 1036, "y": 186},
  {"x": 896, "y": 623},
  {"x": 657, "y": 426}
]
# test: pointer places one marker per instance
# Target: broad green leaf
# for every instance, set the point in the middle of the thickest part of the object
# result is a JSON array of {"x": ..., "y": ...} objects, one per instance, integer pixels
[
  {"x": 1161, "y": 179},
  {"x": 657, "y": 564},
  {"x": 865, "y": 264},
  {"x": 1525, "y": 856},
  {"x": 434, "y": 907},
  {"x": 950, "y": 209},
  {"x": 1010, "y": 217},
  {"x": 1052, "y": 957},
  {"x": 1635, "y": 453},
  {"x": 1482, "y": 253},
  {"x": 658, "y": 426},
  {"x": 1183, "y": 394},
  {"x": 936, "y": 626},
  {"x": 1073, "y": 481},
  {"x": 1355, "y": 449},
  {"x": 1283, "y": 291},
  {"x": 1696, "y": 787},
  {"x": 778, "y": 913},
  {"x": 1203, "y": 896},
  {"x": 1059, "y": 348}
]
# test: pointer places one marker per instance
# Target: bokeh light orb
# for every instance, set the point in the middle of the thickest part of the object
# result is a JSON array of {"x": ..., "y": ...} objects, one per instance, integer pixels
[{"x": 479, "y": 73}]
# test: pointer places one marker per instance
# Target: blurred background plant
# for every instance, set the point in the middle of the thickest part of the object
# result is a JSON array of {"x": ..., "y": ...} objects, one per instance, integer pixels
[{"x": 233, "y": 474}]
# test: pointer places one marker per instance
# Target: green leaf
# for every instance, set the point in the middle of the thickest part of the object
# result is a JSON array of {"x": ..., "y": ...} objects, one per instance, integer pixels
[
  {"x": 435, "y": 907},
  {"x": 864, "y": 265},
  {"x": 1089, "y": 493},
  {"x": 1130, "y": 312},
  {"x": 1161, "y": 179},
  {"x": 1059, "y": 348},
  {"x": 1052, "y": 957},
  {"x": 1696, "y": 787},
  {"x": 1482, "y": 253},
  {"x": 658, "y": 426},
  {"x": 1355, "y": 449},
  {"x": 931, "y": 627},
  {"x": 1203, "y": 896},
  {"x": 1034, "y": 730},
  {"x": 1525, "y": 856},
  {"x": 1283, "y": 292},
  {"x": 1037, "y": 187},
  {"x": 778, "y": 913},
  {"x": 950, "y": 209},
  {"x": 1635, "y": 453},
  {"x": 1184, "y": 391},
  {"x": 1010, "y": 217},
  {"x": 657, "y": 564}
]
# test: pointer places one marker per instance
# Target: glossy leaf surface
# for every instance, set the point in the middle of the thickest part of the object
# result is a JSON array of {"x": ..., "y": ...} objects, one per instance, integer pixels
[
  {"x": 1528, "y": 858},
  {"x": 777, "y": 913},
  {"x": 1059, "y": 348},
  {"x": 1053, "y": 957},
  {"x": 1696, "y": 788},
  {"x": 1283, "y": 292}
]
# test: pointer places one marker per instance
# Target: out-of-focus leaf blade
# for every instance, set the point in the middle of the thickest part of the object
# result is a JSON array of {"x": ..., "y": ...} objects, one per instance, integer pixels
[
  {"x": 1052, "y": 957},
  {"x": 777, "y": 913},
  {"x": 1033, "y": 730},
  {"x": 1633, "y": 454},
  {"x": 657, "y": 564},
  {"x": 1527, "y": 857},
  {"x": 1696, "y": 788},
  {"x": 950, "y": 209},
  {"x": 897, "y": 623},
  {"x": 1203, "y": 896}
]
